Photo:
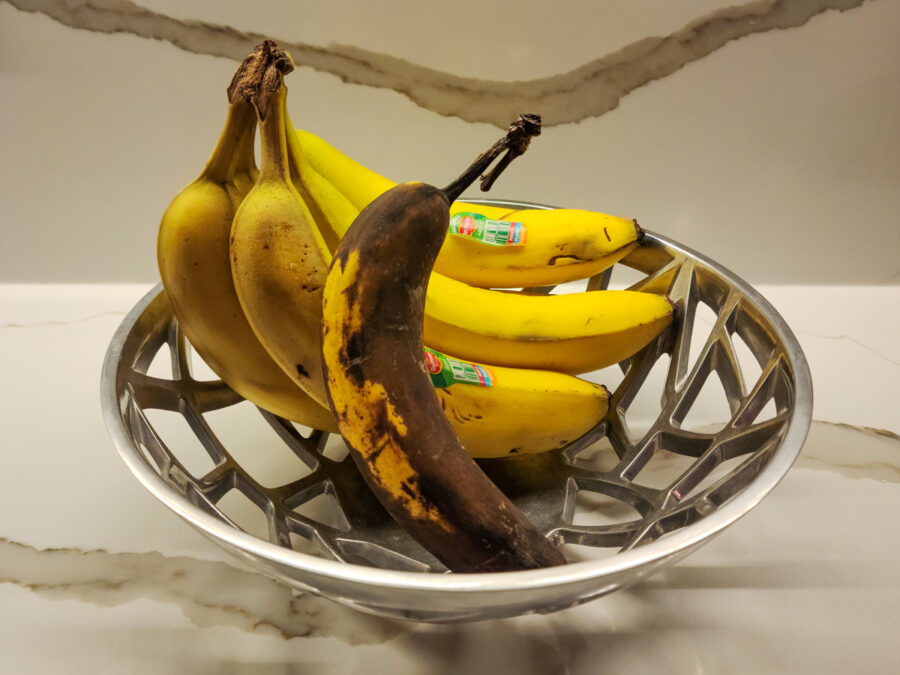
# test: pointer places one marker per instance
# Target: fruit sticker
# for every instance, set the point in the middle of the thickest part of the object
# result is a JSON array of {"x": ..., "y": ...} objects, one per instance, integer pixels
[
  {"x": 445, "y": 371},
  {"x": 433, "y": 363},
  {"x": 479, "y": 227}
]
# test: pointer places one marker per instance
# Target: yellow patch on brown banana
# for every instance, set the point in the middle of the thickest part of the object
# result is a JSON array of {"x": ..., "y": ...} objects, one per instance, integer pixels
[{"x": 367, "y": 419}]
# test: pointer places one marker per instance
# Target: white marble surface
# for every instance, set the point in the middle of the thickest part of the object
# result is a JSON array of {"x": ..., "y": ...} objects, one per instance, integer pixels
[{"x": 96, "y": 576}]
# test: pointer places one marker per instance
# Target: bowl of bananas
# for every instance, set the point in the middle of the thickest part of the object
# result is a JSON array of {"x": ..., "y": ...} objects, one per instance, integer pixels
[{"x": 440, "y": 409}]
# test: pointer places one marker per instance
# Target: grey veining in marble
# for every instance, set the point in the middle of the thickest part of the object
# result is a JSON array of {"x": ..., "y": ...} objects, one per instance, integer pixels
[
  {"x": 53, "y": 322},
  {"x": 838, "y": 451},
  {"x": 590, "y": 90},
  {"x": 835, "y": 447},
  {"x": 209, "y": 593},
  {"x": 856, "y": 341}
]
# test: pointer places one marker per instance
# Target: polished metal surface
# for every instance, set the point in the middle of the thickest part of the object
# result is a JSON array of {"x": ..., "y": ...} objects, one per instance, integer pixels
[{"x": 325, "y": 533}]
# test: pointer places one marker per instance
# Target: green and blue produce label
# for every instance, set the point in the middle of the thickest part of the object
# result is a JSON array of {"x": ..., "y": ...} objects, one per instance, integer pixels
[
  {"x": 446, "y": 370},
  {"x": 479, "y": 227}
]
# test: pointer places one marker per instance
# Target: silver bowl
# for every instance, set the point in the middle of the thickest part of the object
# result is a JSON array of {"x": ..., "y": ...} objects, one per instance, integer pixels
[{"x": 627, "y": 499}]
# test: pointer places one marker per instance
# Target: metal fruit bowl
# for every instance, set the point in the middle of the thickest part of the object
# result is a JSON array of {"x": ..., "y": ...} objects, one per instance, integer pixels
[{"x": 640, "y": 491}]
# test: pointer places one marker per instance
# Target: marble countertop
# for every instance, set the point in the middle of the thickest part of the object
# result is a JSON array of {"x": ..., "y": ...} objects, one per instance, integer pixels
[{"x": 96, "y": 576}]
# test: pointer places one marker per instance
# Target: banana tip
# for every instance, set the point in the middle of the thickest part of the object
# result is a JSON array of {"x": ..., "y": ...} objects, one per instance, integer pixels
[
  {"x": 639, "y": 231},
  {"x": 675, "y": 310}
]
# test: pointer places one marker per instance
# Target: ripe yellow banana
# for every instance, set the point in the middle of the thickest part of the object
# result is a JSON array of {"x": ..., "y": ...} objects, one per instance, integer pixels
[
  {"x": 193, "y": 257},
  {"x": 278, "y": 258},
  {"x": 572, "y": 333},
  {"x": 555, "y": 246},
  {"x": 497, "y": 411}
]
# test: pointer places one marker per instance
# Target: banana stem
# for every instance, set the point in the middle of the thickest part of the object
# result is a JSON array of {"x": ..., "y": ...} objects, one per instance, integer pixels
[
  {"x": 245, "y": 161},
  {"x": 260, "y": 76},
  {"x": 273, "y": 141},
  {"x": 259, "y": 81},
  {"x": 515, "y": 142},
  {"x": 221, "y": 165}
]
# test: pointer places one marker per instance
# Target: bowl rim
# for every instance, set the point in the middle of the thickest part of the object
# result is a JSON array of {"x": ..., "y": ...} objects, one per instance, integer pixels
[{"x": 681, "y": 540}]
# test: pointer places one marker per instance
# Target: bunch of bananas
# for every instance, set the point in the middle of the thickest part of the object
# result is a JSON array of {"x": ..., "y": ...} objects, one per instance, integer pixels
[{"x": 244, "y": 254}]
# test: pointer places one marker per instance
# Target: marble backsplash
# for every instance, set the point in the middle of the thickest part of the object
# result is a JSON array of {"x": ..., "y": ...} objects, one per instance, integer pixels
[{"x": 763, "y": 134}]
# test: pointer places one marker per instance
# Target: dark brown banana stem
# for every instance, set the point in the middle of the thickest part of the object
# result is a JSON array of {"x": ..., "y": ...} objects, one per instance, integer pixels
[
  {"x": 260, "y": 75},
  {"x": 515, "y": 142}
]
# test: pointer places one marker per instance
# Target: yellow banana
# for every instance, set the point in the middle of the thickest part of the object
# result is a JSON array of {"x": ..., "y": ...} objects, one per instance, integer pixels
[
  {"x": 572, "y": 333},
  {"x": 556, "y": 245},
  {"x": 278, "y": 258},
  {"x": 497, "y": 411},
  {"x": 193, "y": 258}
]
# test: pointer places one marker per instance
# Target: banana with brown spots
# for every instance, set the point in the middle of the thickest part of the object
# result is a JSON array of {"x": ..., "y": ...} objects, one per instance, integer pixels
[{"x": 381, "y": 394}]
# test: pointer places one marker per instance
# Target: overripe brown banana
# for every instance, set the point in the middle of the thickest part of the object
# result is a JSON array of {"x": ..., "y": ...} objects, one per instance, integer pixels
[{"x": 383, "y": 398}]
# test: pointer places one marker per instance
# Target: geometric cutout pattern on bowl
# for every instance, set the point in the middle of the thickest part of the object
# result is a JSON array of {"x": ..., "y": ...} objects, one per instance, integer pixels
[{"x": 652, "y": 469}]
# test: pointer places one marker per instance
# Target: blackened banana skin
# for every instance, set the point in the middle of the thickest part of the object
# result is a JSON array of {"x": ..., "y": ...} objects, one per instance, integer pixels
[{"x": 385, "y": 403}]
